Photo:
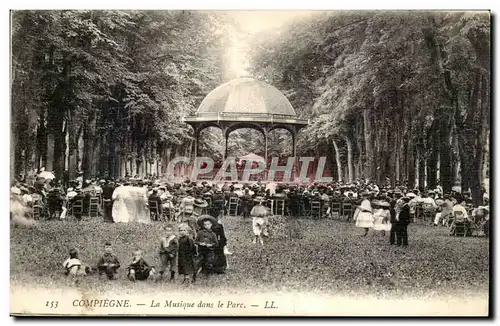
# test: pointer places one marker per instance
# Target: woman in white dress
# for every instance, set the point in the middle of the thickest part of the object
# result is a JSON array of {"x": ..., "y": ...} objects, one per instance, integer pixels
[
  {"x": 364, "y": 214},
  {"x": 119, "y": 211},
  {"x": 260, "y": 220}
]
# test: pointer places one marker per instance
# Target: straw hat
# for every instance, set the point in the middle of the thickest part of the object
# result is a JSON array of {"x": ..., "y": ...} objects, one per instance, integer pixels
[{"x": 204, "y": 218}]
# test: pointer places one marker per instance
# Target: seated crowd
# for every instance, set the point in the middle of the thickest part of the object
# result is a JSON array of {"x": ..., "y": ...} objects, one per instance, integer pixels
[{"x": 173, "y": 200}]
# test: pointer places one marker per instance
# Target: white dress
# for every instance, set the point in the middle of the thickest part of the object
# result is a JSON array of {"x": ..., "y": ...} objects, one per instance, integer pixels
[
  {"x": 260, "y": 220},
  {"x": 363, "y": 215},
  {"x": 379, "y": 215},
  {"x": 119, "y": 211}
]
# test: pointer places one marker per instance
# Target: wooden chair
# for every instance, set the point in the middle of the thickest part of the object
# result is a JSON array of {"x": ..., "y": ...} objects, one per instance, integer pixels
[
  {"x": 428, "y": 212},
  {"x": 169, "y": 212},
  {"x": 76, "y": 208},
  {"x": 418, "y": 212},
  {"x": 279, "y": 207},
  {"x": 94, "y": 206},
  {"x": 37, "y": 209},
  {"x": 460, "y": 225},
  {"x": 305, "y": 208},
  {"x": 233, "y": 206},
  {"x": 336, "y": 207},
  {"x": 347, "y": 209},
  {"x": 315, "y": 209},
  {"x": 154, "y": 211},
  {"x": 325, "y": 205}
]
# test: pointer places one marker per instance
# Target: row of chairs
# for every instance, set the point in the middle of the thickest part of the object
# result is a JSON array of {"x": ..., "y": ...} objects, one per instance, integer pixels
[
  {"x": 315, "y": 209},
  {"x": 73, "y": 208}
]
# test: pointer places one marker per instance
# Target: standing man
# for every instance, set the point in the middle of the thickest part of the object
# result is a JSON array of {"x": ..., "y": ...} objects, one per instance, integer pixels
[
  {"x": 402, "y": 222},
  {"x": 246, "y": 201}
]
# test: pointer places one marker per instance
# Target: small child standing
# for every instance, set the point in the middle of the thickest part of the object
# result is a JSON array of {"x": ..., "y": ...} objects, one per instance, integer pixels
[
  {"x": 168, "y": 252},
  {"x": 206, "y": 240},
  {"x": 186, "y": 253},
  {"x": 139, "y": 269},
  {"x": 73, "y": 266},
  {"x": 108, "y": 264}
]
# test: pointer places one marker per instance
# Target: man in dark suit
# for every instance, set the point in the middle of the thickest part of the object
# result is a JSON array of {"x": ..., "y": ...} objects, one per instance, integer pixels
[{"x": 402, "y": 223}]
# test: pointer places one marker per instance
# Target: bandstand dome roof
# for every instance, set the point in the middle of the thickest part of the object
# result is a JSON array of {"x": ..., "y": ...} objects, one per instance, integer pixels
[{"x": 246, "y": 95}]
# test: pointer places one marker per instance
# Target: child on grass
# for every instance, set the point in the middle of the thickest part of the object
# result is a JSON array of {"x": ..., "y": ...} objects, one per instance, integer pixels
[
  {"x": 186, "y": 254},
  {"x": 108, "y": 264},
  {"x": 73, "y": 265},
  {"x": 139, "y": 269},
  {"x": 168, "y": 252},
  {"x": 206, "y": 240}
]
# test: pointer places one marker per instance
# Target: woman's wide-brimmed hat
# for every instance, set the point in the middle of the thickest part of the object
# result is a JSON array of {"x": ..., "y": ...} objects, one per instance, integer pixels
[
  {"x": 198, "y": 202},
  {"x": 411, "y": 195},
  {"x": 204, "y": 218}
]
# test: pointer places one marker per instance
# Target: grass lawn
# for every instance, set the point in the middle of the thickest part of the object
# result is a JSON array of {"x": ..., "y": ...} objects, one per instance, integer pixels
[{"x": 330, "y": 257}]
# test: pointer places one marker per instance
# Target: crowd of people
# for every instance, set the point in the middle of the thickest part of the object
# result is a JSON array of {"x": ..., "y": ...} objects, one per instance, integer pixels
[{"x": 198, "y": 208}]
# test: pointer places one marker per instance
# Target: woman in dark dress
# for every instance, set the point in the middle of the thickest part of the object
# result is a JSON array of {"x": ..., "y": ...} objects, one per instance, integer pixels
[{"x": 220, "y": 261}]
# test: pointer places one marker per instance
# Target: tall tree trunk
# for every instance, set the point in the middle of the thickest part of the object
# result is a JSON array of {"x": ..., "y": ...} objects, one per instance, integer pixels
[
  {"x": 410, "y": 163},
  {"x": 432, "y": 169},
  {"x": 421, "y": 165},
  {"x": 88, "y": 159},
  {"x": 369, "y": 144},
  {"x": 337, "y": 160},
  {"x": 350, "y": 166},
  {"x": 41, "y": 142},
  {"x": 360, "y": 146},
  {"x": 397, "y": 155},
  {"x": 445, "y": 153},
  {"x": 49, "y": 165}
]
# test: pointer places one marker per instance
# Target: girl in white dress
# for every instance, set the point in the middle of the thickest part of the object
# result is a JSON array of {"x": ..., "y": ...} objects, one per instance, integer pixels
[
  {"x": 364, "y": 214},
  {"x": 260, "y": 220}
]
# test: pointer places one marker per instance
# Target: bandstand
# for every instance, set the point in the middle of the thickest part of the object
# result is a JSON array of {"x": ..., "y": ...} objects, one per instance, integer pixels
[{"x": 246, "y": 102}]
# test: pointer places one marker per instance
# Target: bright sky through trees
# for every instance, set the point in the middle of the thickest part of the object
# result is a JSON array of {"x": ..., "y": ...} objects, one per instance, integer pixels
[{"x": 252, "y": 22}]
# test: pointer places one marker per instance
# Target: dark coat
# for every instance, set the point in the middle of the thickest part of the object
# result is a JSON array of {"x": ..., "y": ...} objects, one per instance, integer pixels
[
  {"x": 404, "y": 215},
  {"x": 220, "y": 262},
  {"x": 186, "y": 255},
  {"x": 247, "y": 202}
]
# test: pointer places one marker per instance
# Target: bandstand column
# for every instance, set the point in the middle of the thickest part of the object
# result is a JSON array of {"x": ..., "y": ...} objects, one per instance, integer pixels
[
  {"x": 196, "y": 136},
  {"x": 294, "y": 155},
  {"x": 226, "y": 136},
  {"x": 265, "y": 146},
  {"x": 225, "y": 147},
  {"x": 266, "y": 133}
]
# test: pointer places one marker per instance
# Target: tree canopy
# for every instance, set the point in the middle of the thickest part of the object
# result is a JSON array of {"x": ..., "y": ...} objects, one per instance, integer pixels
[{"x": 407, "y": 92}]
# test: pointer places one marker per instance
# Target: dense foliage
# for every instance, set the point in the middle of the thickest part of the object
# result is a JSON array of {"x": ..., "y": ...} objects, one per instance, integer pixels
[
  {"x": 401, "y": 95},
  {"x": 106, "y": 90}
]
